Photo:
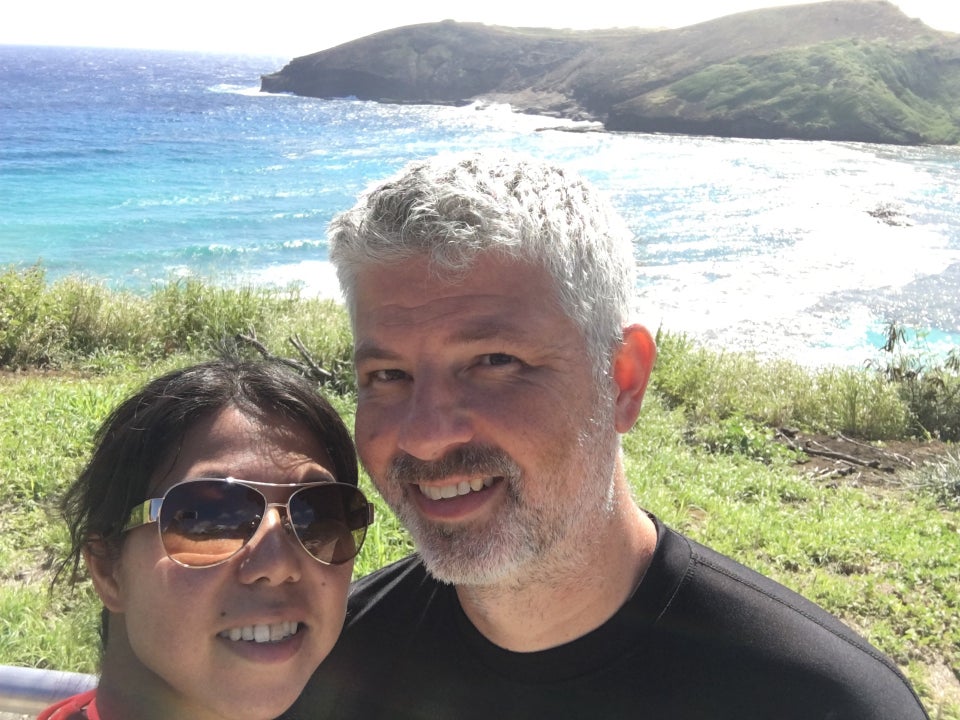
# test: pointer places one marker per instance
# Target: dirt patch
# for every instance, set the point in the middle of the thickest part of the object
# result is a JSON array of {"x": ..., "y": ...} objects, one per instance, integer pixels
[
  {"x": 836, "y": 457},
  {"x": 944, "y": 683}
]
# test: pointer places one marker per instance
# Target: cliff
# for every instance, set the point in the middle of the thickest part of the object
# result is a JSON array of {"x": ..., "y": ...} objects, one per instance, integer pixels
[{"x": 841, "y": 70}]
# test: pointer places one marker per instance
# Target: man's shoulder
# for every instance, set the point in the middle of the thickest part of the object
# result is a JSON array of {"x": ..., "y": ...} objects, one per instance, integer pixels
[
  {"x": 751, "y": 614},
  {"x": 727, "y": 585}
]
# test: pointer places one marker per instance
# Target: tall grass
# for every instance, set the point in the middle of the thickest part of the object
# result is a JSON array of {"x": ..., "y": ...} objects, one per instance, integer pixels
[
  {"x": 80, "y": 324},
  {"x": 702, "y": 457},
  {"x": 909, "y": 395}
]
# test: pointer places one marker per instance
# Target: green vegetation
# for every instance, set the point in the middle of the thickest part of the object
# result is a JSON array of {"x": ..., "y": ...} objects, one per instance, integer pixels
[
  {"x": 704, "y": 457},
  {"x": 845, "y": 89},
  {"x": 930, "y": 387},
  {"x": 76, "y": 324}
]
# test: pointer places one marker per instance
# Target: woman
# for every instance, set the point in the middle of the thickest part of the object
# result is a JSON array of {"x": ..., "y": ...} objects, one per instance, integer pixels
[{"x": 218, "y": 519}]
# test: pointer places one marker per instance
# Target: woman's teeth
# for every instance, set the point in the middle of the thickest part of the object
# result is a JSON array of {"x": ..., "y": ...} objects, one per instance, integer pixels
[
  {"x": 274, "y": 632},
  {"x": 462, "y": 488}
]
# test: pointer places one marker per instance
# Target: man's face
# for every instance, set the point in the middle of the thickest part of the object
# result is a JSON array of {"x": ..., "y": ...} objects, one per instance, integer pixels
[{"x": 480, "y": 420}]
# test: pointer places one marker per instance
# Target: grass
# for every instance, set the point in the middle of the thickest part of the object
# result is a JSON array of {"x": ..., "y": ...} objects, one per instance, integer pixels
[
  {"x": 941, "y": 479},
  {"x": 703, "y": 458}
]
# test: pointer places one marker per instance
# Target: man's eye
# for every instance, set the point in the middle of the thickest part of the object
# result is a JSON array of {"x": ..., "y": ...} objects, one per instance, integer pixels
[
  {"x": 389, "y": 375},
  {"x": 498, "y": 359}
]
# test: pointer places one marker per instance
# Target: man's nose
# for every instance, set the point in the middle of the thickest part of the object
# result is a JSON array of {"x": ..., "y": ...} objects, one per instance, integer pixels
[{"x": 437, "y": 417}]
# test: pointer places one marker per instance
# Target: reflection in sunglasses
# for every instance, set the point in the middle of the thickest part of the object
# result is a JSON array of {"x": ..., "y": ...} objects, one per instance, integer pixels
[{"x": 205, "y": 521}]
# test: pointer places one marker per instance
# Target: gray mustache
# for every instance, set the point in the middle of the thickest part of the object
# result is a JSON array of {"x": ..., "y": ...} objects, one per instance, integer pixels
[{"x": 467, "y": 460}]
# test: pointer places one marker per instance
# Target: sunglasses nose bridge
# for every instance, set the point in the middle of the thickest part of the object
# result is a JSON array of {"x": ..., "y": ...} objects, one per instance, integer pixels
[
  {"x": 283, "y": 511},
  {"x": 283, "y": 516},
  {"x": 286, "y": 521}
]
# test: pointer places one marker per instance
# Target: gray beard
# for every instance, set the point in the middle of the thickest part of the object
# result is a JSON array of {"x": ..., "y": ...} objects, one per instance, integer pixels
[
  {"x": 522, "y": 544},
  {"x": 469, "y": 555}
]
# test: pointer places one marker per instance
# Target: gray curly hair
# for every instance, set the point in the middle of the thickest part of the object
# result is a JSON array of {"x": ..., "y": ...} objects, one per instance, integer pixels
[{"x": 452, "y": 208}]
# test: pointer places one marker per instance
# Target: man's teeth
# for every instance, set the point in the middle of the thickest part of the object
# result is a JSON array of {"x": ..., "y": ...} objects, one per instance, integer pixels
[
  {"x": 262, "y": 633},
  {"x": 462, "y": 488}
]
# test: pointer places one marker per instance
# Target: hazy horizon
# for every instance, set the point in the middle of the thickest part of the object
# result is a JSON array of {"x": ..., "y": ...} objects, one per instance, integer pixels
[{"x": 291, "y": 28}]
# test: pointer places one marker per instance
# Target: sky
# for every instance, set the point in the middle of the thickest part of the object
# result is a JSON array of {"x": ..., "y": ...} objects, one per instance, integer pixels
[{"x": 290, "y": 28}]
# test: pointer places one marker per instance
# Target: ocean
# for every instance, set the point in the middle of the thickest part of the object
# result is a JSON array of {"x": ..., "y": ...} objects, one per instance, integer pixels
[{"x": 133, "y": 168}]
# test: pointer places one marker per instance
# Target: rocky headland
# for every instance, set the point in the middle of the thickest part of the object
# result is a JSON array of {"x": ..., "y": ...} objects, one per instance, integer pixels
[{"x": 847, "y": 70}]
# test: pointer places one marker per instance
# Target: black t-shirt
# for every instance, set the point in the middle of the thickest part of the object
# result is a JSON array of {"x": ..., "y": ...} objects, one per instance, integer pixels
[{"x": 702, "y": 637}]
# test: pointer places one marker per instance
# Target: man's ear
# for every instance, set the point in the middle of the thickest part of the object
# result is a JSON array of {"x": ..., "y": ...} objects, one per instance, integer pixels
[
  {"x": 103, "y": 563},
  {"x": 632, "y": 363}
]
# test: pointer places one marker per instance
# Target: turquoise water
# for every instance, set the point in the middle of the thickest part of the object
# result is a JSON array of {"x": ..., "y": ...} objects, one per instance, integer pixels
[{"x": 135, "y": 167}]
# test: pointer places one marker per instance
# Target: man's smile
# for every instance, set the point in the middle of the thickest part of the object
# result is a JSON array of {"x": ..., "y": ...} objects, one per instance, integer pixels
[{"x": 464, "y": 487}]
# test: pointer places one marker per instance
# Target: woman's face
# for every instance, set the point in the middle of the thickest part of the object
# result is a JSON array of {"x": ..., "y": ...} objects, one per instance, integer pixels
[{"x": 170, "y": 627}]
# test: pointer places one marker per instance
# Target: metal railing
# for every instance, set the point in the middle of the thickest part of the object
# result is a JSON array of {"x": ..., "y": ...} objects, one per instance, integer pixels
[{"x": 28, "y": 690}]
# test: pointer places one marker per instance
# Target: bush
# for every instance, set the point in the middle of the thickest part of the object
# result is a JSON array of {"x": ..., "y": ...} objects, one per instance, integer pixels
[
  {"x": 714, "y": 386},
  {"x": 26, "y": 326},
  {"x": 940, "y": 480},
  {"x": 858, "y": 403},
  {"x": 80, "y": 324},
  {"x": 927, "y": 384},
  {"x": 738, "y": 435}
]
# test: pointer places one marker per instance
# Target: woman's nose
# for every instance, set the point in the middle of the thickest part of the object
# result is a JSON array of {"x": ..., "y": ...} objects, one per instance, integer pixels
[{"x": 273, "y": 555}]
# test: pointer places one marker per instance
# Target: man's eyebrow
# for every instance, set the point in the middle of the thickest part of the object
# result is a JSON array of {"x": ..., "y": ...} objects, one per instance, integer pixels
[
  {"x": 319, "y": 475},
  {"x": 478, "y": 330},
  {"x": 487, "y": 329},
  {"x": 368, "y": 351}
]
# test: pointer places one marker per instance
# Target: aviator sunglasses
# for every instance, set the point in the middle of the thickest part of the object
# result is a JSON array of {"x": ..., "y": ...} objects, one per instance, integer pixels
[{"x": 206, "y": 521}]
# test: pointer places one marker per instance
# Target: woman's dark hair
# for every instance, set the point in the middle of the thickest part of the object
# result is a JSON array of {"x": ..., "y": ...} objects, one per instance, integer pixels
[{"x": 147, "y": 430}]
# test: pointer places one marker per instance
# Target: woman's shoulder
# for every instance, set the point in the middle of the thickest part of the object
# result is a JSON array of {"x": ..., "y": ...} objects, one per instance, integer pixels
[{"x": 75, "y": 707}]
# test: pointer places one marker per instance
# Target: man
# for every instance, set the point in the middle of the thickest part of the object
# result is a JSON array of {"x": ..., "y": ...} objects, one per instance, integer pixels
[{"x": 497, "y": 366}]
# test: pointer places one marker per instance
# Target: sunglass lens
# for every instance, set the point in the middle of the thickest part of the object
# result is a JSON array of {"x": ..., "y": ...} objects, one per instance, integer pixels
[
  {"x": 207, "y": 521},
  {"x": 330, "y": 520}
]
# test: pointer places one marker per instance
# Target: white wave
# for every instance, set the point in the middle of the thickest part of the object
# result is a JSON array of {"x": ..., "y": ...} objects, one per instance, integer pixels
[
  {"x": 315, "y": 278},
  {"x": 247, "y": 90}
]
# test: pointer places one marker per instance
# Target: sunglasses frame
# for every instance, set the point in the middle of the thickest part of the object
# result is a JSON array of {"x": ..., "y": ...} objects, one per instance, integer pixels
[{"x": 149, "y": 512}]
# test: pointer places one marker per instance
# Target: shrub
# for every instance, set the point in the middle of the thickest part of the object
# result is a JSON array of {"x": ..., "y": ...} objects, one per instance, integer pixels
[
  {"x": 929, "y": 385},
  {"x": 738, "y": 435},
  {"x": 713, "y": 386},
  {"x": 80, "y": 324},
  {"x": 940, "y": 480},
  {"x": 26, "y": 326}
]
